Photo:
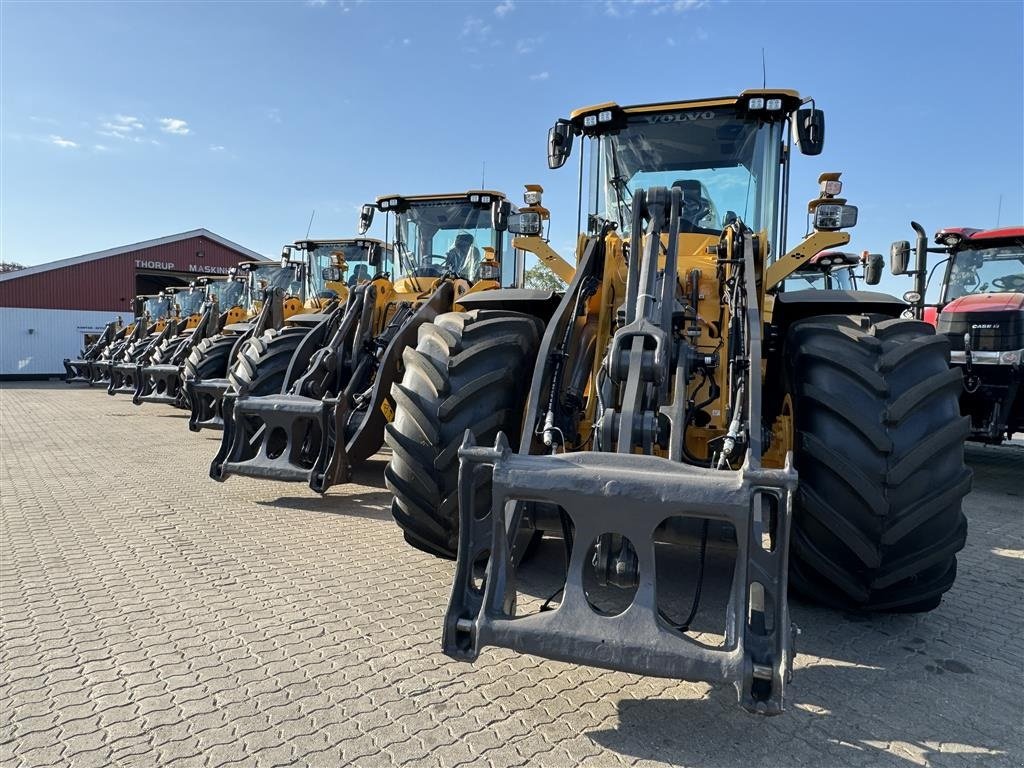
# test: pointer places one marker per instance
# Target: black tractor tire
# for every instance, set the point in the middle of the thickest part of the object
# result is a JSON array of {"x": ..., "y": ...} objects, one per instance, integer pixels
[
  {"x": 209, "y": 358},
  {"x": 469, "y": 370},
  {"x": 263, "y": 361},
  {"x": 879, "y": 449}
]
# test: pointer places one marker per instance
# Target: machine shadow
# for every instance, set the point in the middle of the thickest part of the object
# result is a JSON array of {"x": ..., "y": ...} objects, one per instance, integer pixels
[{"x": 827, "y": 726}]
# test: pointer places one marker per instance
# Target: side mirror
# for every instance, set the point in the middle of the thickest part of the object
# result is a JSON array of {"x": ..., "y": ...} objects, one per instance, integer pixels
[
  {"x": 809, "y": 127},
  {"x": 559, "y": 144},
  {"x": 331, "y": 274},
  {"x": 366, "y": 217},
  {"x": 528, "y": 223},
  {"x": 873, "y": 268},
  {"x": 899, "y": 257},
  {"x": 500, "y": 212}
]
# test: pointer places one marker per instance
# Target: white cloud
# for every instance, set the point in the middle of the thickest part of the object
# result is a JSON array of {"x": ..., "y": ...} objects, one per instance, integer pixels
[
  {"x": 216, "y": 147},
  {"x": 100, "y": 148},
  {"x": 174, "y": 125},
  {"x": 505, "y": 7},
  {"x": 474, "y": 27},
  {"x": 274, "y": 115},
  {"x": 670, "y": 42},
  {"x": 616, "y": 8},
  {"x": 316, "y": 3},
  {"x": 541, "y": 76},
  {"x": 528, "y": 44},
  {"x": 122, "y": 127},
  {"x": 406, "y": 41},
  {"x": 60, "y": 141}
]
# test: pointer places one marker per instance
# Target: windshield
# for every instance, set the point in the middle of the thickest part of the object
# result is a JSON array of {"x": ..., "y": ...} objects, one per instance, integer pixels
[
  {"x": 841, "y": 279},
  {"x": 356, "y": 257},
  {"x": 157, "y": 307},
  {"x": 725, "y": 166},
  {"x": 986, "y": 270},
  {"x": 190, "y": 302},
  {"x": 228, "y": 292},
  {"x": 436, "y": 238},
  {"x": 274, "y": 276}
]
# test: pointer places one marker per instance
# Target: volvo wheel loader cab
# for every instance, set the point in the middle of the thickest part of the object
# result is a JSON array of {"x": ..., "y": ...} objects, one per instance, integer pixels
[
  {"x": 296, "y": 288},
  {"x": 980, "y": 309},
  {"x": 681, "y": 400},
  {"x": 158, "y": 379},
  {"x": 185, "y": 310},
  {"x": 155, "y": 313},
  {"x": 330, "y": 412}
]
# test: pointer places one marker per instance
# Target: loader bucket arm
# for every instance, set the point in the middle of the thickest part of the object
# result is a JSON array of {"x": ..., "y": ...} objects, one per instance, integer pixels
[{"x": 622, "y": 488}]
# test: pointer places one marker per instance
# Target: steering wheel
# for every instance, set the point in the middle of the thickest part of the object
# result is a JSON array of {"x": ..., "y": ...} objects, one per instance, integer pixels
[{"x": 1011, "y": 283}]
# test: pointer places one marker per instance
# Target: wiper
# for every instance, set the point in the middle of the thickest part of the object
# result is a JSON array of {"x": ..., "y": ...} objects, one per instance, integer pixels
[{"x": 619, "y": 185}]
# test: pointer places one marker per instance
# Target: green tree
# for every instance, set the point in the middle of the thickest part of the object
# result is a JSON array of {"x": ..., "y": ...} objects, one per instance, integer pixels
[
  {"x": 540, "y": 277},
  {"x": 10, "y": 266}
]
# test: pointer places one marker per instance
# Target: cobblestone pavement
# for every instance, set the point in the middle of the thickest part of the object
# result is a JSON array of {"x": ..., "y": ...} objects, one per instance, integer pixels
[{"x": 153, "y": 617}]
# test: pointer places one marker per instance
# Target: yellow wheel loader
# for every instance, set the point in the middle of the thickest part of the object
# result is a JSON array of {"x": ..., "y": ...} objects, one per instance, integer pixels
[
  {"x": 186, "y": 307},
  {"x": 158, "y": 379},
  {"x": 330, "y": 411},
  {"x": 80, "y": 370},
  {"x": 689, "y": 420},
  {"x": 155, "y": 312},
  {"x": 283, "y": 299}
]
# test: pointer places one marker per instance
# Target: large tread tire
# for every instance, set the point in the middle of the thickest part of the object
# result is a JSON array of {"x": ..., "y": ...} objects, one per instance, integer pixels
[
  {"x": 263, "y": 361},
  {"x": 209, "y": 358},
  {"x": 879, "y": 449},
  {"x": 469, "y": 370}
]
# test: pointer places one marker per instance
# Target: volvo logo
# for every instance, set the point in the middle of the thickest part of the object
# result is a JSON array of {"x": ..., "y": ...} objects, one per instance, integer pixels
[{"x": 682, "y": 117}]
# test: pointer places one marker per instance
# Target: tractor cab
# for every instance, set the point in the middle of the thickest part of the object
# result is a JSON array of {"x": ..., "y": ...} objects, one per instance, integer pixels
[{"x": 980, "y": 309}]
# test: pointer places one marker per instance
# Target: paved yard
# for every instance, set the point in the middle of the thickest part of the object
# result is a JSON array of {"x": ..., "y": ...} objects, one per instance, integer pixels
[{"x": 151, "y": 616}]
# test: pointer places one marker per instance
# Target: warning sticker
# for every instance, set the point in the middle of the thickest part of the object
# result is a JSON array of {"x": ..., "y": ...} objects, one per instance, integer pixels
[{"x": 387, "y": 410}]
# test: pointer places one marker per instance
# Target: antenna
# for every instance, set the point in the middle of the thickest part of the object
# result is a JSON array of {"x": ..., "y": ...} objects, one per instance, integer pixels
[
  {"x": 764, "y": 70},
  {"x": 483, "y": 175},
  {"x": 310, "y": 222},
  {"x": 999, "y": 209}
]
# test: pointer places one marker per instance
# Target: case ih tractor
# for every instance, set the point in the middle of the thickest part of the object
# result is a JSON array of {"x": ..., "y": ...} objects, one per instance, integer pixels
[
  {"x": 980, "y": 310},
  {"x": 683, "y": 401}
]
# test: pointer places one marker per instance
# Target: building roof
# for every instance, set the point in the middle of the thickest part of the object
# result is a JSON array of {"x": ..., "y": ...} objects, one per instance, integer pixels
[{"x": 60, "y": 263}]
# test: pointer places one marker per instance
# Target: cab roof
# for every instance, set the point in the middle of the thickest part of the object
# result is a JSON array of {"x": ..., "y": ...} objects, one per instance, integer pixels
[
  {"x": 337, "y": 240},
  {"x": 982, "y": 235},
  {"x": 792, "y": 99},
  {"x": 442, "y": 196}
]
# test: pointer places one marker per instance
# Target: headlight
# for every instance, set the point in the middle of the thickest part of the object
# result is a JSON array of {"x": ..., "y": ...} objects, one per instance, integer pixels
[
  {"x": 831, "y": 217},
  {"x": 911, "y": 297},
  {"x": 527, "y": 223},
  {"x": 1012, "y": 357},
  {"x": 831, "y": 187},
  {"x": 489, "y": 270},
  {"x": 532, "y": 197},
  {"x": 605, "y": 116},
  {"x": 756, "y": 103},
  {"x": 590, "y": 121},
  {"x": 773, "y": 105},
  {"x": 474, "y": 198}
]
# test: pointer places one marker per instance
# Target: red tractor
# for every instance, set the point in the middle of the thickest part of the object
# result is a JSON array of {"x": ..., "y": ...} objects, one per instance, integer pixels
[{"x": 981, "y": 309}]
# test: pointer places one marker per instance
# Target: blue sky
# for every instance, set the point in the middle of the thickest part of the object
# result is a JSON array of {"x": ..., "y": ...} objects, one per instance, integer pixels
[{"x": 123, "y": 122}]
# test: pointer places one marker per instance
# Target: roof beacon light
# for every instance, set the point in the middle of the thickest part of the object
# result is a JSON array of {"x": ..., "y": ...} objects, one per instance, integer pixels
[{"x": 756, "y": 103}]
